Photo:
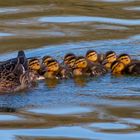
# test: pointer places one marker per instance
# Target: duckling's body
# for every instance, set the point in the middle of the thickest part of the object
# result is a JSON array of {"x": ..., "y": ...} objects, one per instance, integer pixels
[
  {"x": 55, "y": 70},
  {"x": 81, "y": 67},
  {"x": 87, "y": 68},
  {"x": 126, "y": 65},
  {"x": 94, "y": 62}
]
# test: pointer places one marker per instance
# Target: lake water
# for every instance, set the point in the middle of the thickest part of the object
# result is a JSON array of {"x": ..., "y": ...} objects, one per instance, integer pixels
[{"x": 104, "y": 108}]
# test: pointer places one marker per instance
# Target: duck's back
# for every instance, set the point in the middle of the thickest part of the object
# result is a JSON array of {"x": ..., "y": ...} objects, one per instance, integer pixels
[{"x": 133, "y": 69}]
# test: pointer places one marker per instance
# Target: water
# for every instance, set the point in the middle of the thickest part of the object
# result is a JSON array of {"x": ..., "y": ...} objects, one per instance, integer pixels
[{"x": 104, "y": 108}]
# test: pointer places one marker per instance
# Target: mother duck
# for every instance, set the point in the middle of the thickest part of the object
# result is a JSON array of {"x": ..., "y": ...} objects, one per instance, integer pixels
[{"x": 14, "y": 74}]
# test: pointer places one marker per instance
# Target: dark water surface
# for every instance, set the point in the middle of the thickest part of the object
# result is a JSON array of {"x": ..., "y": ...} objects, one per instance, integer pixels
[{"x": 104, "y": 108}]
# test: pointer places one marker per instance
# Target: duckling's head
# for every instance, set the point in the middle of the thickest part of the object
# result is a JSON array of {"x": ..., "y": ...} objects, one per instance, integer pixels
[
  {"x": 117, "y": 67},
  {"x": 110, "y": 56},
  {"x": 68, "y": 56},
  {"x": 92, "y": 55},
  {"x": 45, "y": 59},
  {"x": 71, "y": 62},
  {"x": 81, "y": 62},
  {"x": 34, "y": 64},
  {"x": 53, "y": 66},
  {"x": 124, "y": 58}
]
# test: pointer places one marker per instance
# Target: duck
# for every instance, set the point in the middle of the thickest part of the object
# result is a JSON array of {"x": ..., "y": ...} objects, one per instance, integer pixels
[
  {"x": 55, "y": 70},
  {"x": 83, "y": 67},
  {"x": 68, "y": 64},
  {"x": 93, "y": 56},
  {"x": 68, "y": 57},
  {"x": 12, "y": 73},
  {"x": 34, "y": 65},
  {"x": 46, "y": 58},
  {"x": 109, "y": 58},
  {"x": 125, "y": 65}
]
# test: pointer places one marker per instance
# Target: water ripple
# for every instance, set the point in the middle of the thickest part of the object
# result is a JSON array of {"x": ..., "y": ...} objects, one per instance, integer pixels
[
  {"x": 61, "y": 111},
  {"x": 76, "y": 19}
]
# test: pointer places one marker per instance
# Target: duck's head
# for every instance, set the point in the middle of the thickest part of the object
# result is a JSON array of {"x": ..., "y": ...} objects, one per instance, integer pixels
[
  {"x": 71, "y": 62},
  {"x": 53, "y": 66},
  {"x": 117, "y": 67},
  {"x": 68, "y": 56},
  {"x": 124, "y": 58},
  {"x": 34, "y": 64},
  {"x": 110, "y": 57},
  {"x": 92, "y": 55},
  {"x": 45, "y": 59},
  {"x": 80, "y": 62}
]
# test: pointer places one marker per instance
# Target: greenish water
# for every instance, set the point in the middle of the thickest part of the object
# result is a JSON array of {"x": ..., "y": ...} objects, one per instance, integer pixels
[{"x": 104, "y": 108}]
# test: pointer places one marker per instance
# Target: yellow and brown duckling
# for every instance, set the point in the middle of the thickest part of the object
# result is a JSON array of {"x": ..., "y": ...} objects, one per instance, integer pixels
[
  {"x": 35, "y": 66},
  {"x": 83, "y": 67},
  {"x": 68, "y": 57},
  {"x": 68, "y": 63},
  {"x": 45, "y": 59},
  {"x": 125, "y": 58},
  {"x": 94, "y": 57},
  {"x": 126, "y": 65},
  {"x": 54, "y": 70},
  {"x": 110, "y": 57}
]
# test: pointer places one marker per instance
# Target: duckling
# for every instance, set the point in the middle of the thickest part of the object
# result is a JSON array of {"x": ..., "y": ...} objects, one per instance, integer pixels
[
  {"x": 117, "y": 68},
  {"x": 93, "y": 56},
  {"x": 45, "y": 59},
  {"x": 70, "y": 63},
  {"x": 132, "y": 67},
  {"x": 83, "y": 67},
  {"x": 125, "y": 58},
  {"x": 34, "y": 65},
  {"x": 67, "y": 57},
  {"x": 54, "y": 70},
  {"x": 110, "y": 57}
]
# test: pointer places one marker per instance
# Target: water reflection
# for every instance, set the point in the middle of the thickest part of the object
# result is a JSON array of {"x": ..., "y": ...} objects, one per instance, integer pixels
[
  {"x": 70, "y": 132},
  {"x": 110, "y": 126},
  {"x": 52, "y": 83},
  {"x": 4, "y": 117},
  {"x": 61, "y": 110},
  {"x": 81, "y": 81},
  {"x": 75, "y": 19},
  {"x": 5, "y": 34}
]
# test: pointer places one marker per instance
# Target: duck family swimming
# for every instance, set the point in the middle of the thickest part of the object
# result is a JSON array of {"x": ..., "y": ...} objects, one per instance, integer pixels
[{"x": 21, "y": 72}]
